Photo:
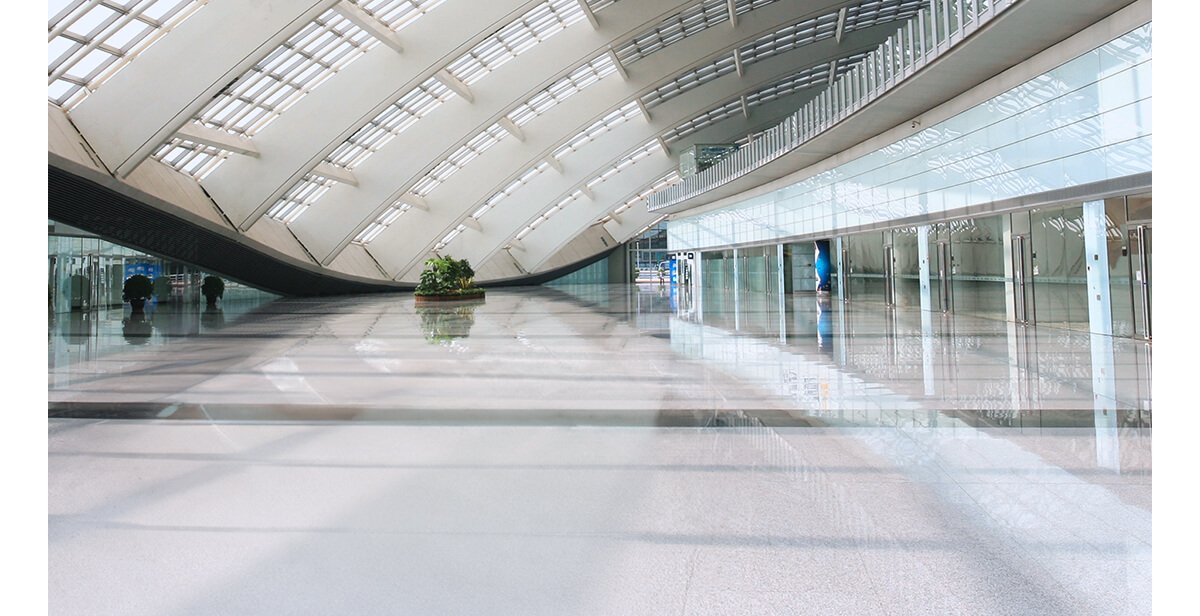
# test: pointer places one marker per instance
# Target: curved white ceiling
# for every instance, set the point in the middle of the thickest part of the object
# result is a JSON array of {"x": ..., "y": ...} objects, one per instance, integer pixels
[{"x": 410, "y": 126}]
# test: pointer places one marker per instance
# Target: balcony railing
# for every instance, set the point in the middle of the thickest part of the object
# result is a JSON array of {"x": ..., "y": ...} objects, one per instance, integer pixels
[{"x": 932, "y": 32}]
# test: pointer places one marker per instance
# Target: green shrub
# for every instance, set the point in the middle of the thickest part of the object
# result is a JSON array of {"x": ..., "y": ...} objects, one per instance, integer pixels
[
  {"x": 447, "y": 276},
  {"x": 137, "y": 287}
]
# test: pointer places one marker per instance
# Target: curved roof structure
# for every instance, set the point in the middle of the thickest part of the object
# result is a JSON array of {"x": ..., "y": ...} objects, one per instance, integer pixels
[{"x": 355, "y": 138}]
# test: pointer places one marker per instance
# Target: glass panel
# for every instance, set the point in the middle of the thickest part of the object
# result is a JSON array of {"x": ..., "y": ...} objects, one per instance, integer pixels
[
  {"x": 908, "y": 266},
  {"x": 1059, "y": 267},
  {"x": 1120, "y": 274},
  {"x": 977, "y": 259}
]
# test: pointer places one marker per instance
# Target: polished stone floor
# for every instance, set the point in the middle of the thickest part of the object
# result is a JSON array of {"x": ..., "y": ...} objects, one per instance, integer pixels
[{"x": 594, "y": 450}]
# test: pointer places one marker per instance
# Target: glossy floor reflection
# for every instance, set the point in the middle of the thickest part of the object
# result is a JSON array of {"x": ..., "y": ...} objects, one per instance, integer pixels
[{"x": 597, "y": 450}]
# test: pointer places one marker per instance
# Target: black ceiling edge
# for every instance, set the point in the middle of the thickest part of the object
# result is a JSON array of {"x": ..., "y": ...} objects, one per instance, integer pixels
[
  {"x": 547, "y": 276},
  {"x": 89, "y": 205},
  {"x": 143, "y": 222}
]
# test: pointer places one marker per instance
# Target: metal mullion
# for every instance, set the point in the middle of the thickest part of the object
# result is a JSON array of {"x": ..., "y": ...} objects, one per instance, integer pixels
[
  {"x": 66, "y": 21},
  {"x": 119, "y": 18}
]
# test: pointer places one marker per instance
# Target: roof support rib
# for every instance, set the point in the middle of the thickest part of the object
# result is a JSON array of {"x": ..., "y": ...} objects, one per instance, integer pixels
[
  {"x": 745, "y": 106},
  {"x": 337, "y": 174},
  {"x": 589, "y": 13},
  {"x": 841, "y": 25},
  {"x": 612, "y": 55},
  {"x": 737, "y": 62},
  {"x": 512, "y": 128},
  {"x": 731, "y": 5},
  {"x": 642, "y": 108},
  {"x": 554, "y": 163},
  {"x": 416, "y": 201},
  {"x": 369, "y": 24},
  {"x": 663, "y": 144},
  {"x": 198, "y": 133},
  {"x": 832, "y": 70},
  {"x": 458, "y": 87},
  {"x": 471, "y": 223}
]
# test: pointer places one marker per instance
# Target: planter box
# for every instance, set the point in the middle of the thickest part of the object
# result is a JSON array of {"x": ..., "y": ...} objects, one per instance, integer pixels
[{"x": 448, "y": 298}]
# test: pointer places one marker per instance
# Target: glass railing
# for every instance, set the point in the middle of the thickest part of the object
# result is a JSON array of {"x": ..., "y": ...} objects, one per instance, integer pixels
[{"x": 939, "y": 27}]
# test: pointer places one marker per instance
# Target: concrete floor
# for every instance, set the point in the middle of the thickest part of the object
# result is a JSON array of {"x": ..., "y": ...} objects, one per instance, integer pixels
[{"x": 594, "y": 450}]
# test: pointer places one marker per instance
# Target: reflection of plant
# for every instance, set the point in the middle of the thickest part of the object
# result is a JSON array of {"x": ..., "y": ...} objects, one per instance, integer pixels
[
  {"x": 442, "y": 324},
  {"x": 447, "y": 276}
]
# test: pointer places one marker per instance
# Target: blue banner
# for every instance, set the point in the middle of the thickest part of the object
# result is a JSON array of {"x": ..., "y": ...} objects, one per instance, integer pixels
[{"x": 149, "y": 270}]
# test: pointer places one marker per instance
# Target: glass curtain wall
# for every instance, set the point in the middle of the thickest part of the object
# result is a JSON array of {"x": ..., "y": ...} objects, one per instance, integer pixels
[
  {"x": 649, "y": 250},
  {"x": 88, "y": 273}
]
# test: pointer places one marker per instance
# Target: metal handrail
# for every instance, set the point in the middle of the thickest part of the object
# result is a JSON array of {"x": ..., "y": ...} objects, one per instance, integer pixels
[{"x": 934, "y": 30}]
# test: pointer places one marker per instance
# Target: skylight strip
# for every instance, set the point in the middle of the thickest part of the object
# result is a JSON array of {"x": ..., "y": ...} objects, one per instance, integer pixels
[
  {"x": 563, "y": 89},
  {"x": 389, "y": 123},
  {"x": 622, "y": 164},
  {"x": 538, "y": 24},
  {"x": 645, "y": 193},
  {"x": 608, "y": 122},
  {"x": 688, "y": 80},
  {"x": 683, "y": 24},
  {"x": 292, "y": 70},
  {"x": 194, "y": 159},
  {"x": 90, "y": 42},
  {"x": 459, "y": 159},
  {"x": 300, "y": 197}
]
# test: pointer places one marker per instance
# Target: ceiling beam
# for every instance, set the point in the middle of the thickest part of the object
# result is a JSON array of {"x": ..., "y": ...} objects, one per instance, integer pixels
[
  {"x": 745, "y": 106},
  {"x": 452, "y": 82},
  {"x": 737, "y": 62},
  {"x": 832, "y": 70},
  {"x": 198, "y": 133},
  {"x": 512, "y": 128},
  {"x": 369, "y": 24},
  {"x": 472, "y": 223},
  {"x": 587, "y": 191},
  {"x": 416, "y": 201},
  {"x": 841, "y": 25},
  {"x": 589, "y": 13},
  {"x": 731, "y": 6},
  {"x": 663, "y": 144},
  {"x": 642, "y": 107},
  {"x": 335, "y": 173},
  {"x": 516, "y": 243},
  {"x": 555, "y": 163},
  {"x": 612, "y": 55}
]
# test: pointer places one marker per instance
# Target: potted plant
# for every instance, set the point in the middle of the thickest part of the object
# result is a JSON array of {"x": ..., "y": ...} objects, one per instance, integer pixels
[
  {"x": 447, "y": 278},
  {"x": 213, "y": 289},
  {"x": 137, "y": 290}
]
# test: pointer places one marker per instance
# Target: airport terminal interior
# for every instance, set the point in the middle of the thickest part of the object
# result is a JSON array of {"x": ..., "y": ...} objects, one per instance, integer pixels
[{"x": 600, "y": 307}]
